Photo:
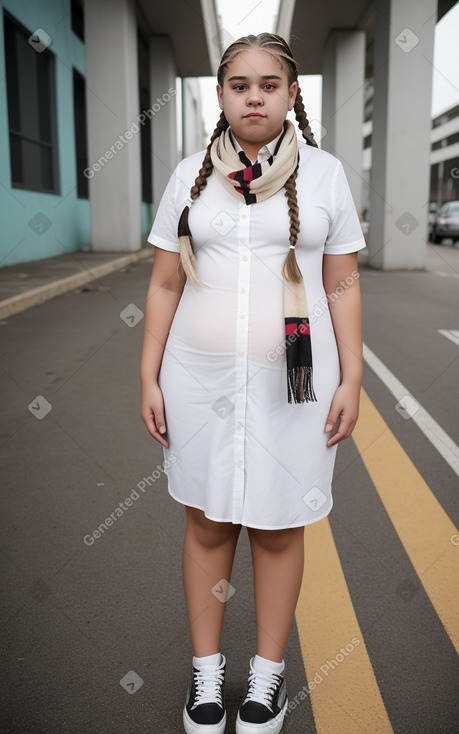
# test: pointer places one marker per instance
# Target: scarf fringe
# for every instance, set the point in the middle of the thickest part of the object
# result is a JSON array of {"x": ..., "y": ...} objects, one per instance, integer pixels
[{"x": 300, "y": 387}]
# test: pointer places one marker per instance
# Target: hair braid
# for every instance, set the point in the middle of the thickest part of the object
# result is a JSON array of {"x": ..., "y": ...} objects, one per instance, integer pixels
[
  {"x": 302, "y": 120},
  {"x": 200, "y": 182},
  {"x": 291, "y": 270},
  {"x": 187, "y": 257}
]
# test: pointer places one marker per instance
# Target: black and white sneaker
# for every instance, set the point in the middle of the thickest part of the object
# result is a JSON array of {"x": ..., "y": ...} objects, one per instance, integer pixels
[
  {"x": 205, "y": 710},
  {"x": 265, "y": 704}
]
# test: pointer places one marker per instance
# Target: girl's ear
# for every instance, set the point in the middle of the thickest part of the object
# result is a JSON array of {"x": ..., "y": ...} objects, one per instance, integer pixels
[
  {"x": 292, "y": 92},
  {"x": 220, "y": 96}
]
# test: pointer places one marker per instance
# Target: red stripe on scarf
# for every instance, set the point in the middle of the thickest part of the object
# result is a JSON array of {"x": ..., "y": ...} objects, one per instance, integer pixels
[{"x": 293, "y": 329}]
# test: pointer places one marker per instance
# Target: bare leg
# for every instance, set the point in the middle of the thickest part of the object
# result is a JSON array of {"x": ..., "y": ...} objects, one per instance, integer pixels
[
  {"x": 208, "y": 554},
  {"x": 278, "y": 560}
]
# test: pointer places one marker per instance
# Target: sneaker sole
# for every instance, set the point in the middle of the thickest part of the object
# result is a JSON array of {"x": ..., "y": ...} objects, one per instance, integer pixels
[
  {"x": 269, "y": 727},
  {"x": 191, "y": 727}
]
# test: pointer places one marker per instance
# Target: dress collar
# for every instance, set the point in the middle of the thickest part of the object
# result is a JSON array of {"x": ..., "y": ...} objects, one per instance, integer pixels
[{"x": 264, "y": 153}]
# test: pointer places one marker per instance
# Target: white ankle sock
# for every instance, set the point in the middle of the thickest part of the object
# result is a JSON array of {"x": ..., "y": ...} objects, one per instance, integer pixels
[
  {"x": 207, "y": 660},
  {"x": 263, "y": 665}
]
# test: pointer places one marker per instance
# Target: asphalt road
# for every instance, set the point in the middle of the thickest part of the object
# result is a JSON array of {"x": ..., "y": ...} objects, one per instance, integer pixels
[{"x": 94, "y": 632}]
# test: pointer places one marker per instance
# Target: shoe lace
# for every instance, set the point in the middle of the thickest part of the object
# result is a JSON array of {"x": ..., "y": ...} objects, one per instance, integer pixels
[
  {"x": 208, "y": 684},
  {"x": 262, "y": 688}
]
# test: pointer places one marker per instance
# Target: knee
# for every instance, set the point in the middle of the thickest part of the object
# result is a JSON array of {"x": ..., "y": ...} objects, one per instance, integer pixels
[
  {"x": 208, "y": 533},
  {"x": 276, "y": 541}
]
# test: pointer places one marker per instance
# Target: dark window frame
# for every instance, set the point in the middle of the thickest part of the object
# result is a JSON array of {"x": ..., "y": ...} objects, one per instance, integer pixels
[
  {"x": 77, "y": 12},
  {"x": 45, "y": 117},
  {"x": 81, "y": 133}
]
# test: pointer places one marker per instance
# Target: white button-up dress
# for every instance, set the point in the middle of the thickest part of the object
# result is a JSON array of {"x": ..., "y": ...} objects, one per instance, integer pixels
[{"x": 243, "y": 453}]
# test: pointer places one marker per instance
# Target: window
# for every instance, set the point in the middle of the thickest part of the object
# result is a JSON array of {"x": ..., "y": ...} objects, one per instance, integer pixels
[
  {"x": 81, "y": 137},
  {"x": 434, "y": 182},
  {"x": 31, "y": 95},
  {"x": 78, "y": 19},
  {"x": 445, "y": 117},
  {"x": 450, "y": 140}
]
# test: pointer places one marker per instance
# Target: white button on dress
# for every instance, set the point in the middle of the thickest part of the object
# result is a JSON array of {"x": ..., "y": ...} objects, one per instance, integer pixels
[{"x": 243, "y": 453}]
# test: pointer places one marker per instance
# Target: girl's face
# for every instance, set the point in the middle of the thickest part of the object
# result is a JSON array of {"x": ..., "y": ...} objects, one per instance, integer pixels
[{"x": 255, "y": 98}]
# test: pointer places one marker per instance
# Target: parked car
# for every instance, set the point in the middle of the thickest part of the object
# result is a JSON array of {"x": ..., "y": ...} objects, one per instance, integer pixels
[{"x": 446, "y": 222}]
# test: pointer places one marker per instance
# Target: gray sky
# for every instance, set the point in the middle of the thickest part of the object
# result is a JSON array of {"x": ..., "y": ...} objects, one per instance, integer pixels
[{"x": 239, "y": 17}]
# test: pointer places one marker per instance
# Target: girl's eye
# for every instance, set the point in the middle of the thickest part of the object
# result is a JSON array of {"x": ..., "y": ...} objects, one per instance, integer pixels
[{"x": 242, "y": 87}]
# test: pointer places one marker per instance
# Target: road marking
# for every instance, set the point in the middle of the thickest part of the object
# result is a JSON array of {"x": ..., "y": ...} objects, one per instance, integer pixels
[
  {"x": 344, "y": 692},
  {"x": 450, "y": 334},
  {"x": 421, "y": 523},
  {"x": 430, "y": 428},
  {"x": 446, "y": 275}
]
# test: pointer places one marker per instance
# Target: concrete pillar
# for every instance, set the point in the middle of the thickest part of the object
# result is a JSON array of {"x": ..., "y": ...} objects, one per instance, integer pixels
[
  {"x": 400, "y": 170},
  {"x": 194, "y": 138},
  {"x": 342, "y": 103},
  {"x": 163, "y": 105},
  {"x": 113, "y": 134}
]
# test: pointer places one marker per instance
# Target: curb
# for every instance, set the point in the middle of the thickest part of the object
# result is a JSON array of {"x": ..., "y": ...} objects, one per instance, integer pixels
[{"x": 16, "y": 304}]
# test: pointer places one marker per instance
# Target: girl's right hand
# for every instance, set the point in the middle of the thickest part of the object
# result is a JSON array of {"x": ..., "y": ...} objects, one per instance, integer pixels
[{"x": 152, "y": 411}]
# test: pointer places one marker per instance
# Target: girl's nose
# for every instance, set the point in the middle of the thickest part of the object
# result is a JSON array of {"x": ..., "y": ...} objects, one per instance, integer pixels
[{"x": 254, "y": 97}]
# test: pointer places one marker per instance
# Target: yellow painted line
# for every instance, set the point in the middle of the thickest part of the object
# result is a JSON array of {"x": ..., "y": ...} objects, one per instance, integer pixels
[
  {"x": 345, "y": 697},
  {"x": 425, "y": 530}
]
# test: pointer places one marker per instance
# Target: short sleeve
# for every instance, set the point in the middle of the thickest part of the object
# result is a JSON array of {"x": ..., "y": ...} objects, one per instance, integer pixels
[
  {"x": 163, "y": 233},
  {"x": 345, "y": 234}
]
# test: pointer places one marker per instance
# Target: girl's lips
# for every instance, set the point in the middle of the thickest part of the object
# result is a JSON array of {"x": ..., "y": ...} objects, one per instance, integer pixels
[{"x": 254, "y": 116}]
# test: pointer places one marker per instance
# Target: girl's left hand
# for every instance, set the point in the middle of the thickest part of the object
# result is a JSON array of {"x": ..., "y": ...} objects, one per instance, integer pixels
[{"x": 344, "y": 412}]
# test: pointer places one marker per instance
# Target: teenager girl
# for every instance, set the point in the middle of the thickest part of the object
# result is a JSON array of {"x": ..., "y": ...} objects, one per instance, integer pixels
[{"x": 249, "y": 394}]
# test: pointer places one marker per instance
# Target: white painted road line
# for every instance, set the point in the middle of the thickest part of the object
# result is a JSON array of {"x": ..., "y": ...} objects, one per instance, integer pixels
[
  {"x": 409, "y": 407},
  {"x": 446, "y": 275},
  {"x": 450, "y": 334}
]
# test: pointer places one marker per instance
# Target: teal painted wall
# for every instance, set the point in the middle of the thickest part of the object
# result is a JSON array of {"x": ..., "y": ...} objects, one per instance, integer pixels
[
  {"x": 146, "y": 211},
  {"x": 68, "y": 217}
]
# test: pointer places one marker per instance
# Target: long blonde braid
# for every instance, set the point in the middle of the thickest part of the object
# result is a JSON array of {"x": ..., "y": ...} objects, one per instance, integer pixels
[
  {"x": 302, "y": 120},
  {"x": 291, "y": 270},
  {"x": 187, "y": 256}
]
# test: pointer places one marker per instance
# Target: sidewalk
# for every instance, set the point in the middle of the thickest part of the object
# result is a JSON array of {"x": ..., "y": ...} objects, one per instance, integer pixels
[{"x": 28, "y": 284}]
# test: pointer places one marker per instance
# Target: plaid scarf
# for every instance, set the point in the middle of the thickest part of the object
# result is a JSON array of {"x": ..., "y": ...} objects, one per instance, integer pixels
[{"x": 253, "y": 183}]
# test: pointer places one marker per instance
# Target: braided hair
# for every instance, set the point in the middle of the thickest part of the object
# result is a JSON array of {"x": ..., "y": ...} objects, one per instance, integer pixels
[{"x": 279, "y": 48}]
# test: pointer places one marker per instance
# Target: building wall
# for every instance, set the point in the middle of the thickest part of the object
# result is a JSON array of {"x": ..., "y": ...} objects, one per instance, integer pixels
[
  {"x": 38, "y": 225},
  {"x": 444, "y": 158}
]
